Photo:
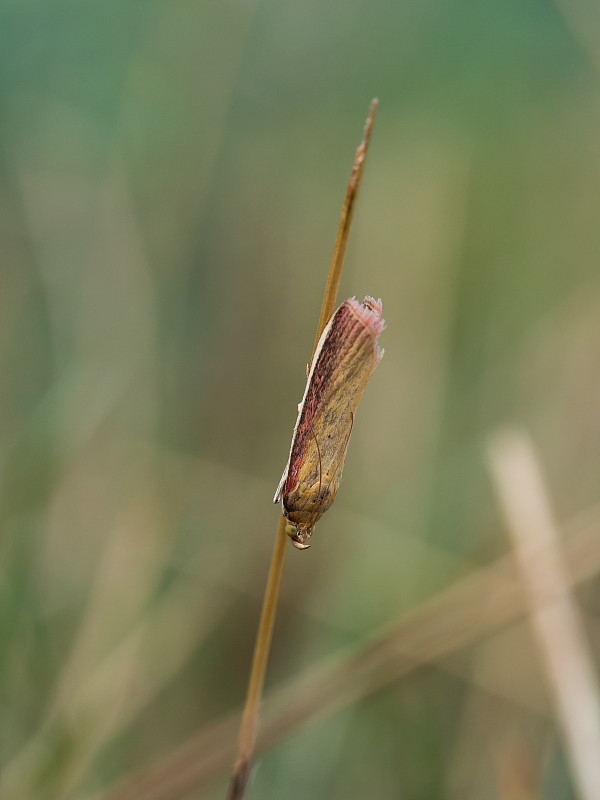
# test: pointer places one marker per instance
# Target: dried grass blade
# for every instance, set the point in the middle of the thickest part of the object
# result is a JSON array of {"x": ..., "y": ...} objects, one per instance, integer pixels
[{"x": 556, "y": 619}]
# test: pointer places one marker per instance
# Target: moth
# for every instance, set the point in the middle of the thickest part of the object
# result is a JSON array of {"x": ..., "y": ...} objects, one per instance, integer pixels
[{"x": 344, "y": 360}]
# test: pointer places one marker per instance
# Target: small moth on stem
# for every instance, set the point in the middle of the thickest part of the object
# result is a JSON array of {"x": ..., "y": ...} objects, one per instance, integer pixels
[
  {"x": 247, "y": 735},
  {"x": 346, "y": 355}
]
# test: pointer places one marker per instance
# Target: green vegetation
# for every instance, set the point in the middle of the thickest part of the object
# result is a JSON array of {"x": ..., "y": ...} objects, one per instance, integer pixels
[{"x": 171, "y": 180}]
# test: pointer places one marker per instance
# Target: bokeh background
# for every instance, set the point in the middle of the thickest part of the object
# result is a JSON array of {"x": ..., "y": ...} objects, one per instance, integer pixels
[{"x": 171, "y": 180}]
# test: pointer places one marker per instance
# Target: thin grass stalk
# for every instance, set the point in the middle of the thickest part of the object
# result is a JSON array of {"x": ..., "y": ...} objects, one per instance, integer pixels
[
  {"x": 341, "y": 240},
  {"x": 262, "y": 647},
  {"x": 248, "y": 727}
]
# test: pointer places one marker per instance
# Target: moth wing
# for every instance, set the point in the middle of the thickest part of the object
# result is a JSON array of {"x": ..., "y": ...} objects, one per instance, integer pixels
[
  {"x": 337, "y": 466},
  {"x": 334, "y": 475},
  {"x": 281, "y": 486},
  {"x": 309, "y": 373}
]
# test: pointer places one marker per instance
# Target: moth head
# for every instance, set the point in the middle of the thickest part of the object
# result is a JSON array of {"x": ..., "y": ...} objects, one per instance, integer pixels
[{"x": 298, "y": 536}]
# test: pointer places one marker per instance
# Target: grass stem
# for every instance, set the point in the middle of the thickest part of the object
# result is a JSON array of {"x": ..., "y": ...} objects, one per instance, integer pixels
[{"x": 248, "y": 726}]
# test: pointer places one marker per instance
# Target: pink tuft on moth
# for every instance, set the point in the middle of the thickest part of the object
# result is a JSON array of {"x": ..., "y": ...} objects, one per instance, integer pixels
[{"x": 344, "y": 360}]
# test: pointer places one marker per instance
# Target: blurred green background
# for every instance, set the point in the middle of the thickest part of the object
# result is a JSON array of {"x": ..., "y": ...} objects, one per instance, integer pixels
[{"x": 171, "y": 179}]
